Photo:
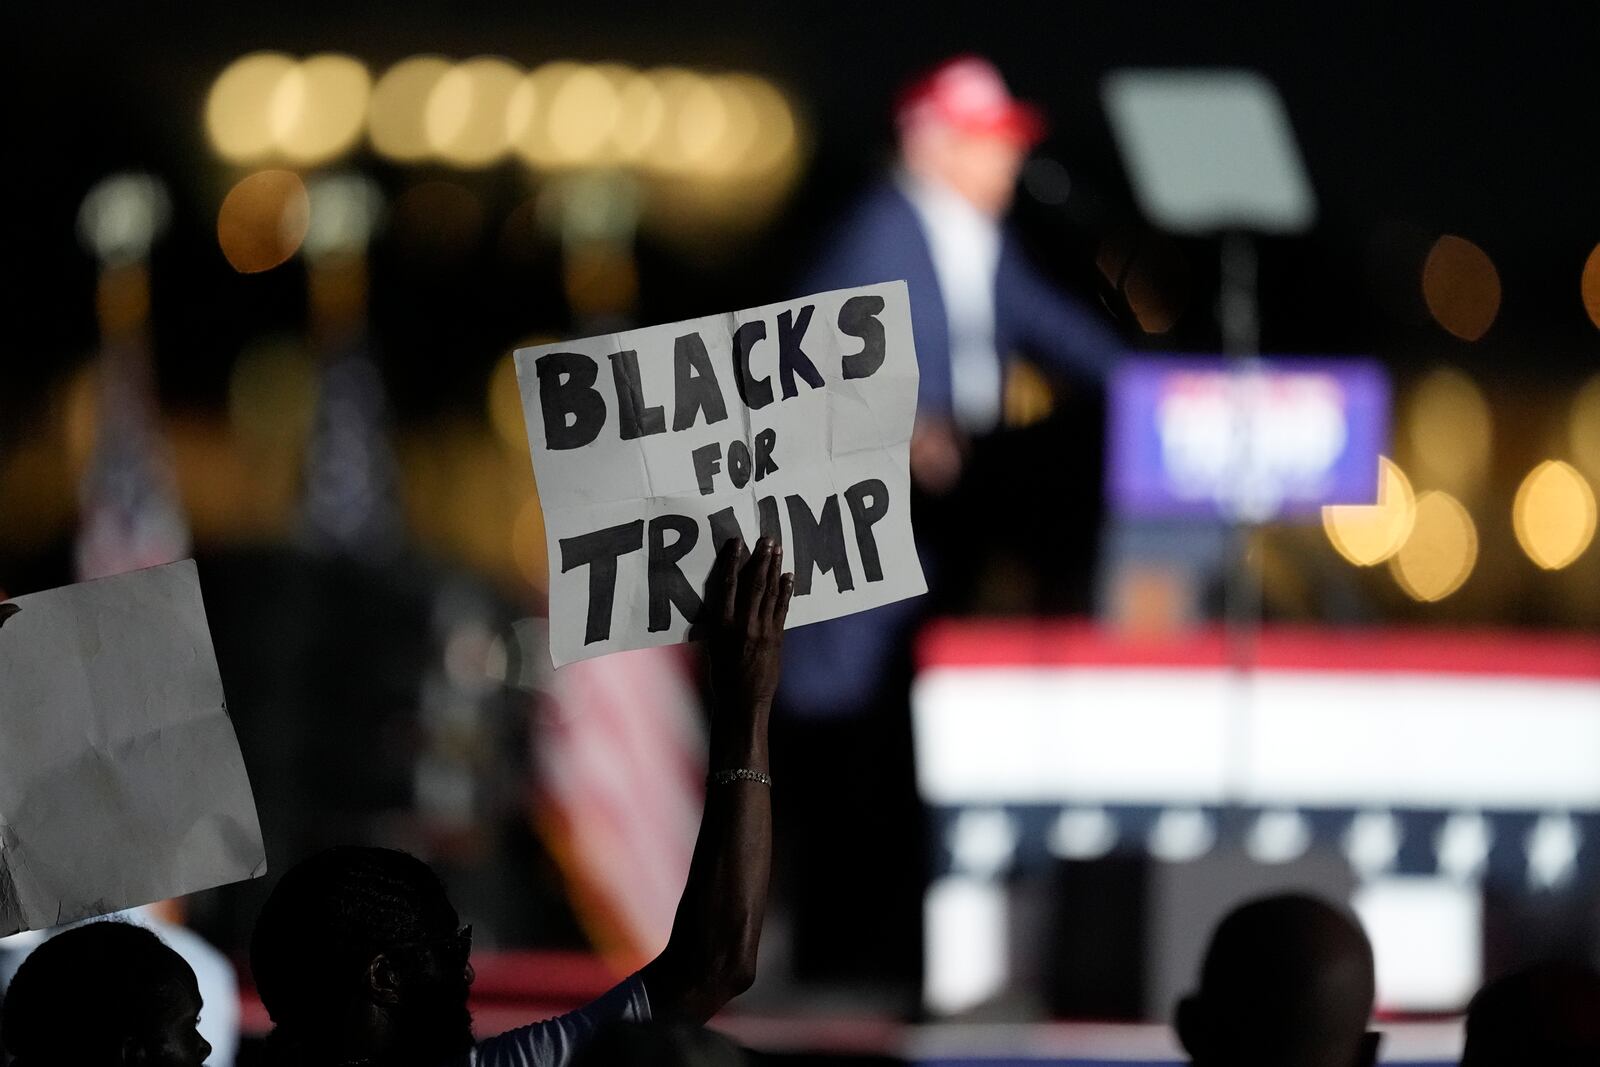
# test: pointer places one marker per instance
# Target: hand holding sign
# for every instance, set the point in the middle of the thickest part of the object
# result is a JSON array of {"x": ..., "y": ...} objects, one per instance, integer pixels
[
  {"x": 653, "y": 447},
  {"x": 752, "y": 608}
]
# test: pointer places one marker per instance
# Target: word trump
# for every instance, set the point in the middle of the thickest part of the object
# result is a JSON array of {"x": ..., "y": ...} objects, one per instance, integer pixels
[{"x": 654, "y": 447}]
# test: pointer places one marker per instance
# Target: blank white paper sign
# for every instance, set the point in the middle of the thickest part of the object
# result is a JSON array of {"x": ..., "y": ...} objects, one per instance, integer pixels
[
  {"x": 121, "y": 780},
  {"x": 1209, "y": 150}
]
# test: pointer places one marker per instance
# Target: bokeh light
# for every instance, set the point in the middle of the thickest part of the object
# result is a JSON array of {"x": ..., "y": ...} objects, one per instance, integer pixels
[
  {"x": 777, "y": 142},
  {"x": 740, "y": 127},
  {"x": 263, "y": 220},
  {"x": 528, "y": 546},
  {"x": 239, "y": 108},
  {"x": 318, "y": 108},
  {"x": 1554, "y": 514},
  {"x": 1461, "y": 287},
  {"x": 696, "y": 119},
  {"x": 504, "y": 404},
  {"x": 345, "y": 208},
  {"x": 1583, "y": 426},
  {"x": 1590, "y": 285},
  {"x": 122, "y": 216},
  {"x": 1367, "y": 534},
  {"x": 1450, "y": 429},
  {"x": 528, "y": 112},
  {"x": 581, "y": 122},
  {"x": 395, "y": 122},
  {"x": 465, "y": 119},
  {"x": 640, "y": 115},
  {"x": 1439, "y": 555}
]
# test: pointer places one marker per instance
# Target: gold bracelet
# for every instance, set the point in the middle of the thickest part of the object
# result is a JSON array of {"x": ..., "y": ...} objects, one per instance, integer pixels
[{"x": 738, "y": 774}]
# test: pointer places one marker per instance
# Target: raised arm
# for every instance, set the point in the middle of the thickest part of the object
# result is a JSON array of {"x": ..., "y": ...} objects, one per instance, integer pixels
[{"x": 711, "y": 956}]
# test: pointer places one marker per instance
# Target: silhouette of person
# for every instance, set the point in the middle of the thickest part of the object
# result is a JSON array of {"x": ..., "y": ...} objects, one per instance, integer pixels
[
  {"x": 1287, "y": 981},
  {"x": 1547, "y": 1014},
  {"x": 105, "y": 994}
]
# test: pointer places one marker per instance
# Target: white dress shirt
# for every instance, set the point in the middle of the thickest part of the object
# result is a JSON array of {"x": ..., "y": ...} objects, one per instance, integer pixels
[{"x": 966, "y": 254}]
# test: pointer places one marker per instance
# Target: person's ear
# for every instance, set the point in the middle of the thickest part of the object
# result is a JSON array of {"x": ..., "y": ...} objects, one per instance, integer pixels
[
  {"x": 383, "y": 981},
  {"x": 1189, "y": 1022},
  {"x": 1368, "y": 1056}
]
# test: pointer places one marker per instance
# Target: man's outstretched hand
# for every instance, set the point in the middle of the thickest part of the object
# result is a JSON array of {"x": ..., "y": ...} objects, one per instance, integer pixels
[{"x": 751, "y": 603}]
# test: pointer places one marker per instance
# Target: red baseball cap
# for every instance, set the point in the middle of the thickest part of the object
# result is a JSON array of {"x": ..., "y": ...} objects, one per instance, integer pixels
[{"x": 967, "y": 92}]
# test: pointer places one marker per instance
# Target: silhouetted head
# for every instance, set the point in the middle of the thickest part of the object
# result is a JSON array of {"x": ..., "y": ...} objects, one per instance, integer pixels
[
  {"x": 658, "y": 1044},
  {"x": 358, "y": 953},
  {"x": 1287, "y": 982},
  {"x": 104, "y": 993},
  {"x": 1548, "y": 1015}
]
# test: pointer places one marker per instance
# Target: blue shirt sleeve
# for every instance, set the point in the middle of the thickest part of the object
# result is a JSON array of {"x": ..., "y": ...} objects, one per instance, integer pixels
[
  {"x": 554, "y": 1042},
  {"x": 1033, "y": 315}
]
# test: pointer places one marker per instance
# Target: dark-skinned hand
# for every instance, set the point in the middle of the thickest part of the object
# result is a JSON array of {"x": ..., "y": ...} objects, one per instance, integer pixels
[{"x": 749, "y": 605}]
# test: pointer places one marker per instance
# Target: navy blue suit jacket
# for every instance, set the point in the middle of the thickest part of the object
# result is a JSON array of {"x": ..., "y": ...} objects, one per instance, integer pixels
[
  {"x": 834, "y": 667},
  {"x": 882, "y": 240}
]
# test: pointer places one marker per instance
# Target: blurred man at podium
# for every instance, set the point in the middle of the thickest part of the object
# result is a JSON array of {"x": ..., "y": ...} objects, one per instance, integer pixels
[{"x": 937, "y": 222}]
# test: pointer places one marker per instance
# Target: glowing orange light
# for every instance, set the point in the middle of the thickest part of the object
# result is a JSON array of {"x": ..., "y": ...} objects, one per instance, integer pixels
[
  {"x": 1461, "y": 287},
  {"x": 1439, "y": 555},
  {"x": 1366, "y": 534},
  {"x": 1591, "y": 286},
  {"x": 263, "y": 220},
  {"x": 1554, "y": 515}
]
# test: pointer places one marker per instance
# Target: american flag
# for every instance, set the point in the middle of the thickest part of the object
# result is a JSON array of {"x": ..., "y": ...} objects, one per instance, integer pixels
[
  {"x": 620, "y": 755},
  {"x": 132, "y": 515}
]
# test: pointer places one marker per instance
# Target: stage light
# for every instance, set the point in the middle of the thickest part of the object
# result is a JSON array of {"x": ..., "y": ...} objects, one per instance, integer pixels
[
  {"x": 1590, "y": 285},
  {"x": 1441, "y": 551},
  {"x": 740, "y": 127},
  {"x": 1583, "y": 426},
  {"x": 465, "y": 119},
  {"x": 344, "y": 211},
  {"x": 240, "y": 104},
  {"x": 640, "y": 115},
  {"x": 263, "y": 220},
  {"x": 122, "y": 216},
  {"x": 1461, "y": 287},
  {"x": 582, "y": 117},
  {"x": 1450, "y": 429},
  {"x": 693, "y": 123},
  {"x": 528, "y": 111},
  {"x": 399, "y": 100},
  {"x": 318, "y": 108},
  {"x": 1554, "y": 515},
  {"x": 1367, "y": 534},
  {"x": 776, "y": 145}
]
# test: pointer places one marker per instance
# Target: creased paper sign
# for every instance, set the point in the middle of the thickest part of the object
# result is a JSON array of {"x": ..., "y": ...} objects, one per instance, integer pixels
[
  {"x": 120, "y": 776},
  {"x": 654, "y": 447}
]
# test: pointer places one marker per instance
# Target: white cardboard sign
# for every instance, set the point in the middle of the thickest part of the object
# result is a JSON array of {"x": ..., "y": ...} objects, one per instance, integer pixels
[
  {"x": 121, "y": 781},
  {"x": 655, "y": 446}
]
